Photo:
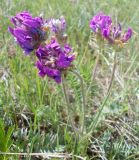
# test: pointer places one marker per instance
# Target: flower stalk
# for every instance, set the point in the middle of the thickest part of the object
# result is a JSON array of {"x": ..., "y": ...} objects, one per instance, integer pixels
[
  {"x": 93, "y": 75},
  {"x": 83, "y": 100},
  {"x": 67, "y": 102},
  {"x": 113, "y": 73},
  {"x": 96, "y": 120}
]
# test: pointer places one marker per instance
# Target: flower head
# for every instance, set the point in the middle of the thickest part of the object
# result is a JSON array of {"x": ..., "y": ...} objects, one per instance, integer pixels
[
  {"x": 53, "y": 60},
  {"x": 58, "y": 26},
  {"x": 118, "y": 37},
  {"x": 101, "y": 24},
  {"x": 27, "y": 31}
]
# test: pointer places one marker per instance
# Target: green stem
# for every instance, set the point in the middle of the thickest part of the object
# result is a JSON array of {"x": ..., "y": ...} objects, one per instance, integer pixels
[
  {"x": 68, "y": 103},
  {"x": 93, "y": 76},
  {"x": 83, "y": 99},
  {"x": 95, "y": 122},
  {"x": 95, "y": 67},
  {"x": 113, "y": 73}
]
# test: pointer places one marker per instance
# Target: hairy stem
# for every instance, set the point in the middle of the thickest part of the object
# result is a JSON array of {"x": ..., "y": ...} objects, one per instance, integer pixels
[
  {"x": 95, "y": 122},
  {"x": 67, "y": 103},
  {"x": 95, "y": 67},
  {"x": 83, "y": 99},
  {"x": 93, "y": 76},
  {"x": 113, "y": 73}
]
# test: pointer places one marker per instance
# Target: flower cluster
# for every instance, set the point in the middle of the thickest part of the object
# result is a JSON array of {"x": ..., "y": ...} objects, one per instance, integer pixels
[
  {"x": 53, "y": 60},
  {"x": 49, "y": 41},
  {"x": 57, "y": 28},
  {"x": 102, "y": 25},
  {"x": 31, "y": 34},
  {"x": 27, "y": 31},
  {"x": 116, "y": 34}
]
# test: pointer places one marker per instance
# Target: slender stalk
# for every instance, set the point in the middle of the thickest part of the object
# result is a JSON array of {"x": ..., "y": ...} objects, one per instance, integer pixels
[
  {"x": 93, "y": 76},
  {"x": 83, "y": 99},
  {"x": 95, "y": 68},
  {"x": 67, "y": 102},
  {"x": 113, "y": 73},
  {"x": 95, "y": 122}
]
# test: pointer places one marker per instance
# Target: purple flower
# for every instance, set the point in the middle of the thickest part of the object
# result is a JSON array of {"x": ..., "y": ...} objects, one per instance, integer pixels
[
  {"x": 50, "y": 72},
  {"x": 101, "y": 24},
  {"x": 53, "y": 60},
  {"x": 57, "y": 26},
  {"x": 117, "y": 35},
  {"x": 27, "y": 31}
]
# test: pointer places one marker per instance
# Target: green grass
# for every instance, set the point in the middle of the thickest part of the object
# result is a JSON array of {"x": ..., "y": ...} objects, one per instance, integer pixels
[{"x": 34, "y": 109}]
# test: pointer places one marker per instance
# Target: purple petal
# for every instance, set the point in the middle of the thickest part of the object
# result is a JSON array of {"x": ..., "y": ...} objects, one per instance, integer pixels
[
  {"x": 67, "y": 48},
  {"x": 127, "y": 35},
  {"x": 117, "y": 31},
  {"x": 106, "y": 32},
  {"x": 11, "y": 30},
  {"x": 53, "y": 73},
  {"x": 64, "y": 61},
  {"x": 100, "y": 22},
  {"x": 35, "y": 23}
]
